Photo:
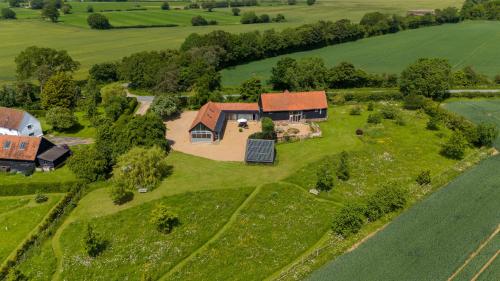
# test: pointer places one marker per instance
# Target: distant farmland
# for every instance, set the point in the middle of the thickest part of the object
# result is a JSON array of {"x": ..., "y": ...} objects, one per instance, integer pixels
[{"x": 468, "y": 43}]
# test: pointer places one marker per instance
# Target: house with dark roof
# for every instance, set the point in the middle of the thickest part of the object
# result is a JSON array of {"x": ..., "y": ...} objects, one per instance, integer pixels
[
  {"x": 294, "y": 107},
  {"x": 25, "y": 153},
  {"x": 15, "y": 122}
]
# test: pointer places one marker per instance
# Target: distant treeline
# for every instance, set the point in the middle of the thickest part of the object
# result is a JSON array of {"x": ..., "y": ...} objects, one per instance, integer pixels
[
  {"x": 250, "y": 46},
  {"x": 481, "y": 9}
]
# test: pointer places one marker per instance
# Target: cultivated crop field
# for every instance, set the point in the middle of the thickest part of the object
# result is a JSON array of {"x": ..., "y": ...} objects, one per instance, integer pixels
[
  {"x": 19, "y": 215},
  {"x": 464, "y": 44},
  {"x": 92, "y": 46}
]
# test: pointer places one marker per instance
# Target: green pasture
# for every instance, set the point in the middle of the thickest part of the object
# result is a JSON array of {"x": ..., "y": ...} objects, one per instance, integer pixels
[
  {"x": 94, "y": 46},
  {"x": 60, "y": 175},
  {"x": 469, "y": 43},
  {"x": 432, "y": 239},
  {"x": 19, "y": 216}
]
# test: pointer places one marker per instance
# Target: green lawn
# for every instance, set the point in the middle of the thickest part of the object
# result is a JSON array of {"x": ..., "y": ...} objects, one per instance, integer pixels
[
  {"x": 60, "y": 175},
  {"x": 431, "y": 240},
  {"x": 17, "y": 222},
  {"x": 93, "y": 46},
  {"x": 84, "y": 129},
  {"x": 468, "y": 43}
]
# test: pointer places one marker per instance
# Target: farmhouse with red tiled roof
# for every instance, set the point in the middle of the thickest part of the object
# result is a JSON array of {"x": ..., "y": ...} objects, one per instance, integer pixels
[{"x": 209, "y": 124}]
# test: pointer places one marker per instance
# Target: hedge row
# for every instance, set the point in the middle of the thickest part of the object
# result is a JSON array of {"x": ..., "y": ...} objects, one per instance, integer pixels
[
  {"x": 25, "y": 188},
  {"x": 471, "y": 95},
  {"x": 45, "y": 228},
  {"x": 339, "y": 97},
  {"x": 145, "y": 26}
]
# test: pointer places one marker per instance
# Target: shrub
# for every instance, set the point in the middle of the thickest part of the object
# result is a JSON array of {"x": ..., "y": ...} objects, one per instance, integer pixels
[
  {"x": 40, "y": 197},
  {"x": 61, "y": 118},
  {"x": 98, "y": 21},
  {"x": 348, "y": 220},
  {"x": 356, "y": 110},
  {"x": 387, "y": 199},
  {"x": 292, "y": 2},
  {"x": 15, "y": 275},
  {"x": 279, "y": 18},
  {"x": 89, "y": 164},
  {"x": 359, "y": 132},
  {"x": 455, "y": 147},
  {"x": 8, "y": 13},
  {"x": 389, "y": 112},
  {"x": 212, "y": 22},
  {"x": 165, "y": 6},
  {"x": 486, "y": 134},
  {"x": 90, "y": 9},
  {"x": 165, "y": 106},
  {"x": 264, "y": 18},
  {"x": 310, "y": 2},
  {"x": 424, "y": 178},
  {"x": 400, "y": 120},
  {"x": 163, "y": 219},
  {"x": 111, "y": 90},
  {"x": 325, "y": 180},
  {"x": 94, "y": 244},
  {"x": 268, "y": 130},
  {"x": 236, "y": 11},
  {"x": 343, "y": 170},
  {"x": 249, "y": 17},
  {"x": 370, "y": 106},
  {"x": 433, "y": 124},
  {"x": 414, "y": 102},
  {"x": 198, "y": 21},
  {"x": 374, "y": 118},
  {"x": 120, "y": 195},
  {"x": 66, "y": 9}
]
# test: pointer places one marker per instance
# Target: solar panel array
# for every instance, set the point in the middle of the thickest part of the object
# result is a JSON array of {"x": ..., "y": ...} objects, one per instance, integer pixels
[{"x": 260, "y": 151}]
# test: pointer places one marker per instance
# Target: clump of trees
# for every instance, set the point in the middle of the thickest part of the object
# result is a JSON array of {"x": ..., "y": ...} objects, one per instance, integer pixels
[
  {"x": 164, "y": 219},
  {"x": 60, "y": 90},
  {"x": 200, "y": 21},
  {"x": 50, "y": 11},
  {"x": 480, "y": 10},
  {"x": 104, "y": 72},
  {"x": 166, "y": 105},
  {"x": 455, "y": 146},
  {"x": 428, "y": 77},
  {"x": 88, "y": 164},
  {"x": 94, "y": 244},
  {"x": 250, "y": 90},
  {"x": 61, "y": 118},
  {"x": 7, "y": 13},
  {"x": 251, "y": 17},
  {"x": 98, "y": 21}
]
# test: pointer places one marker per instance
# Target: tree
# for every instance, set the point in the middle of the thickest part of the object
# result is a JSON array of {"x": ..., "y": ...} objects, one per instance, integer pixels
[
  {"x": 433, "y": 123},
  {"x": 120, "y": 194},
  {"x": 264, "y": 18},
  {"x": 455, "y": 146},
  {"x": 292, "y": 2},
  {"x": 50, "y": 11},
  {"x": 236, "y": 11},
  {"x": 310, "y": 2},
  {"x": 36, "y": 4},
  {"x": 112, "y": 90},
  {"x": 279, "y": 18},
  {"x": 324, "y": 178},
  {"x": 348, "y": 220},
  {"x": 250, "y": 90},
  {"x": 141, "y": 168},
  {"x": 15, "y": 275},
  {"x": 343, "y": 169},
  {"x": 60, "y": 118},
  {"x": 104, "y": 72},
  {"x": 98, "y": 21},
  {"x": 486, "y": 134},
  {"x": 208, "y": 5},
  {"x": 198, "y": 21},
  {"x": 14, "y": 3},
  {"x": 90, "y": 9},
  {"x": 66, "y": 9},
  {"x": 163, "y": 219},
  {"x": 88, "y": 163},
  {"x": 385, "y": 200},
  {"x": 165, "y": 106},
  {"x": 165, "y": 6},
  {"x": 60, "y": 90},
  {"x": 249, "y": 17},
  {"x": 345, "y": 75},
  {"x": 427, "y": 77},
  {"x": 93, "y": 242},
  {"x": 42, "y": 63},
  {"x": 7, "y": 13}
]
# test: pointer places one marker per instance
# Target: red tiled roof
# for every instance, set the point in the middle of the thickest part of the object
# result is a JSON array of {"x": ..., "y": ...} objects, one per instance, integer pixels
[
  {"x": 210, "y": 112},
  {"x": 14, "y": 151},
  {"x": 10, "y": 118},
  {"x": 289, "y": 101}
]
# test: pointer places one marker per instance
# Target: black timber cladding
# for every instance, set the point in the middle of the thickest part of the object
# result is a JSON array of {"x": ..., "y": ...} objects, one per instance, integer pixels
[{"x": 260, "y": 151}]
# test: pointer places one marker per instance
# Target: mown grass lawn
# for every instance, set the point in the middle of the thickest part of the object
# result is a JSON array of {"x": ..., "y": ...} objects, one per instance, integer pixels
[
  {"x": 136, "y": 247},
  {"x": 17, "y": 222},
  {"x": 464, "y": 44},
  {"x": 83, "y": 129},
  {"x": 94, "y": 46},
  {"x": 60, "y": 175}
]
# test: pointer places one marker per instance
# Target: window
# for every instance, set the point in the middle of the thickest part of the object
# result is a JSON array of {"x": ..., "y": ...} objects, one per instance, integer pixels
[
  {"x": 6, "y": 145},
  {"x": 22, "y": 146},
  {"x": 31, "y": 134},
  {"x": 29, "y": 126}
]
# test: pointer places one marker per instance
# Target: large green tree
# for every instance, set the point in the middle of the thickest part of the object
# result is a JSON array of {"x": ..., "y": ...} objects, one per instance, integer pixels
[
  {"x": 429, "y": 77},
  {"x": 165, "y": 105},
  {"x": 88, "y": 163},
  {"x": 42, "y": 63},
  {"x": 60, "y": 90},
  {"x": 250, "y": 90},
  {"x": 61, "y": 118},
  {"x": 49, "y": 11}
]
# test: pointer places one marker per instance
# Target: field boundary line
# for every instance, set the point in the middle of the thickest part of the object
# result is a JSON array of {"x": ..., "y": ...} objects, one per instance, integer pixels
[
  {"x": 485, "y": 266},
  {"x": 216, "y": 236},
  {"x": 474, "y": 254}
]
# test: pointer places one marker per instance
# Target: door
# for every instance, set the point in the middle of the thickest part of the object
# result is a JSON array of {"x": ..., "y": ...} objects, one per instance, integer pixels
[{"x": 295, "y": 116}]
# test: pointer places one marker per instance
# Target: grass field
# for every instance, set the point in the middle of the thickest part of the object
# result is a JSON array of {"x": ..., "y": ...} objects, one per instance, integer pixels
[
  {"x": 18, "y": 217},
  {"x": 61, "y": 175},
  {"x": 468, "y": 43},
  {"x": 92, "y": 46}
]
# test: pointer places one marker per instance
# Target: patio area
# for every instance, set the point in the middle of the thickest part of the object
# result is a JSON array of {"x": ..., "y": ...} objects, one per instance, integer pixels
[{"x": 230, "y": 148}]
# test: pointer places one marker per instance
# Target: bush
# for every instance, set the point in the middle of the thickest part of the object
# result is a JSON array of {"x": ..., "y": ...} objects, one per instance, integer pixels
[
  {"x": 356, "y": 110},
  {"x": 486, "y": 134},
  {"x": 325, "y": 180},
  {"x": 343, "y": 169},
  {"x": 414, "y": 102},
  {"x": 249, "y": 17},
  {"x": 400, "y": 120},
  {"x": 98, "y": 21},
  {"x": 433, "y": 124},
  {"x": 310, "y": 2},
  {"x": 370, "y": 106},
  {"x": 93, "y": 243},
  {"x": 389, "y": 112},
  {"x": 15, "y": 275},
  {"x": 89, "y": 164},
  {"x": 198, "y": 21},
  {"x": 236, "y": 11},
  {"x": 359, "y": 132},
  {"x": 165, "y": 6},
  {"x": 455, "y": 147},
  {"x": 61, "y": 118},
  {"x": 279, "y": 18},
  {"x": 40, "y": 197},
  {"x": 66, "y": 9},
  {"x": 120, "y": 195},
  {"x": 8, "y": 13},
  {"x": 163, "y": 219},
  {"x": 348, "y": 220},
  {"x": 110, "y": 91},
  {"x": 264, "y": 18},
  {"x": 374, "y": 118},
  {"x": 90, "y": 9},
  {"x": 424, "y": 178},
  {"x": 165, "y": 106},
  {"x": 387, "y": 199},
  {"x": 292, "y": 2}
]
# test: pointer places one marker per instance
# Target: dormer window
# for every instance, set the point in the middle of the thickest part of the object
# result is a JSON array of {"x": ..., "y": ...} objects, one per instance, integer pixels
[{"x": 6, "y": 145}]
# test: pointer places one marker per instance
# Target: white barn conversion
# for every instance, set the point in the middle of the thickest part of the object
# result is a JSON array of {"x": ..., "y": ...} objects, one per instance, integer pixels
[{"x": 15, "y": 122}]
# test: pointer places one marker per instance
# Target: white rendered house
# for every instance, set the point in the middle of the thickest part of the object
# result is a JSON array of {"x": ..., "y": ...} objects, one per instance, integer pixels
[{"x": 15, "y": 122}]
